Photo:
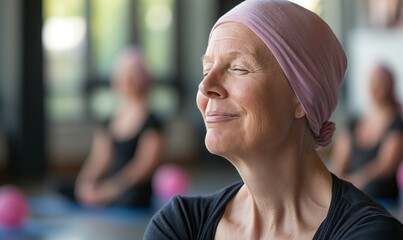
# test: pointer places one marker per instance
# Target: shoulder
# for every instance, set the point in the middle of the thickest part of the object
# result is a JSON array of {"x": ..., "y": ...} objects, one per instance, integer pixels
[
  {"x": 374, "y": 226},
  {"x": 153, "y": 122},
  {"x": 352, "y": 123},
  {"x": 189, "y": 217},
  {"x": 354, "y": 215},
  {"x": 102, "y": 128},
  {"x": 397, "y": 123},
  {"x": 104, "y": 124},
  {"x": 369, "y": 222}
]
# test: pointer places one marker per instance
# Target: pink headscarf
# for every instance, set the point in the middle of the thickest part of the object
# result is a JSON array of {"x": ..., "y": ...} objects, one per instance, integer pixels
[{"x": 306, "y": 49}]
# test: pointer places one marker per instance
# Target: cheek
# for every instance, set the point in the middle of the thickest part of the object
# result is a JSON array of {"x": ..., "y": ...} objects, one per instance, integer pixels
[
  {"x": 119, "y": 85},
  {"x": 256, "y": 100},
  {"x": 259, "y": 115},
  {"x": 270, "y": 112},
  {"x": 377, "y": 93}
]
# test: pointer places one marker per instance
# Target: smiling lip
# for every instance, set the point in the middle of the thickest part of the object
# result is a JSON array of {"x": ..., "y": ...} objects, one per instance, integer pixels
[{"x": 219, "y": 117}]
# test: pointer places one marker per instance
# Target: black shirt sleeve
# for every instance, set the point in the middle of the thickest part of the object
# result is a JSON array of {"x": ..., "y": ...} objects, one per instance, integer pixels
[
  {"x": 375, "y": 228},
  {"x": 171, "y": 222},
  {"x": 190, "y": 217},
  {"x": 353, "y": 215}
]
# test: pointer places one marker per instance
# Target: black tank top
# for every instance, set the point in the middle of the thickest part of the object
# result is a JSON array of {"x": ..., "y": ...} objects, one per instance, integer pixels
[
  {"x": 125, "y": 149},
  {"x": 140, "y": 194},
  {"x": 385, "y": 187}
]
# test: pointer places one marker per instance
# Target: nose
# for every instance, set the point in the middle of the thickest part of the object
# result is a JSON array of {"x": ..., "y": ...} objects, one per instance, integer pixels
[{"x": 212, "y": 86}]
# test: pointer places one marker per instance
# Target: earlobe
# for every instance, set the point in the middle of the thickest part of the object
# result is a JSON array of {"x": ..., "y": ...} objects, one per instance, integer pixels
[{"x": 299, "y": 111}]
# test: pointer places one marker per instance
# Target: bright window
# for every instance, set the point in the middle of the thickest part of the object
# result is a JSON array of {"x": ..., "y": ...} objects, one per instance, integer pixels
[
  {"x": 82, "y": 39},
  {"x": 313, "y": 5},
  {"x": 64, "y": 39}
]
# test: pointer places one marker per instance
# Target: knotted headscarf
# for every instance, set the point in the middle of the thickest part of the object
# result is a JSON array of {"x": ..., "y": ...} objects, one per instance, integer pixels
[{"x": 306, "y": 49}]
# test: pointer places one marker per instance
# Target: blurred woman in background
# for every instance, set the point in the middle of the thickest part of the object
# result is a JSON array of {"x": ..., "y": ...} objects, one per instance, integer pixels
[
  {"x": 367, "y": 153},
  {"x": 126, "y": 149}
]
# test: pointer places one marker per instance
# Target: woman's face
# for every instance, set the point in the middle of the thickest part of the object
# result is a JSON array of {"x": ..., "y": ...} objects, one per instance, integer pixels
[
  {"x": 126, "y": 81},
  {"x": 381, "y": 87},
  {"x": 246, "y": 101}
]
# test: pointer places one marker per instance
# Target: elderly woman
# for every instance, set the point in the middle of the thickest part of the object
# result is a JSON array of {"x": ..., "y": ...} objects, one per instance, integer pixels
[{"x": 272, "y": 71}]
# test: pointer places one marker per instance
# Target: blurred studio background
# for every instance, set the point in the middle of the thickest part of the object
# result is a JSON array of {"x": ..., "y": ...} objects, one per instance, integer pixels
[{"x": 56, "y": 63}]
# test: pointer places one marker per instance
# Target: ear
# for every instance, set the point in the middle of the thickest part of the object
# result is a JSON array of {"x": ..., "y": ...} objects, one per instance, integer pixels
[{"x": 299, "y": 110}]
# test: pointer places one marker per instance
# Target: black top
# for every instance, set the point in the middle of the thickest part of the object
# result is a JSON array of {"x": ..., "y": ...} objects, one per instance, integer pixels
[
  {"x": 138, "y": 195},
  {"x": 124, "y": 149},
  {"x": 382, "y": 187},
  {"x": 352, "y": 215}
]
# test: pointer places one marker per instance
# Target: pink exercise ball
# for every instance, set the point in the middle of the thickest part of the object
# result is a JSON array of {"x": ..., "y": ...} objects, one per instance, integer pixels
[
  {"x": 13, "y": 207},
  {"x": 170, "y": 180}
]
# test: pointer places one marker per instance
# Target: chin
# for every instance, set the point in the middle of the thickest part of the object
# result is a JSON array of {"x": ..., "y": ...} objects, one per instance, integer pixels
[
  {"x": 212, "y": 148},
  {"x": 218, "y": 146}
]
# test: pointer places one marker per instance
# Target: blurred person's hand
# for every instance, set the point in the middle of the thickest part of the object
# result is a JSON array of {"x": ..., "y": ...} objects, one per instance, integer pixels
[
  {"x": 106, "y": 191},
  {"x": 97, "y": 194},
  {"x": 86, "y": 192}
]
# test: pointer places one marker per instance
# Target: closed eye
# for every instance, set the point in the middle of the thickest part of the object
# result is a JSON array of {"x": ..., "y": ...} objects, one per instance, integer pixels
[
  {"x": 205, "y": 72},
  {"x": 238, "y": 70}
]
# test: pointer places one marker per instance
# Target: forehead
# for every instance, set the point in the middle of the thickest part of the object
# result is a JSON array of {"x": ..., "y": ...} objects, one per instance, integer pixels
[{"x": 234, "y": 39}]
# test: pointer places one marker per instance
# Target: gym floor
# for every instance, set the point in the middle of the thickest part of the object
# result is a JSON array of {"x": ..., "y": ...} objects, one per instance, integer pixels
[{"x": 53, "y": 218}]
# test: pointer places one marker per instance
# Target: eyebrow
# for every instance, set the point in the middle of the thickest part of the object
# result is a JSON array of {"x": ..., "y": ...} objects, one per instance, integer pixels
[
  {"x": 204, "y": 58},
  {"x": 231, "y": 54}
]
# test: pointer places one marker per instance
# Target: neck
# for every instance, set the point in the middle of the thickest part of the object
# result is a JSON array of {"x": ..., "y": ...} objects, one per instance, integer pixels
[
  {"x": 386, "y": 107},
  {"x": 381, "y": 113},
  {"x": 285, "y": 181},
  {"x": 289, "y": 191},
  {"x": 133, "y": 103}
]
